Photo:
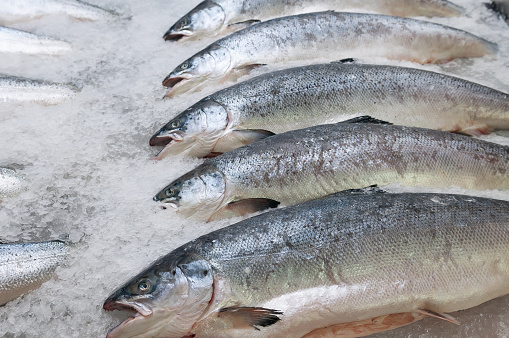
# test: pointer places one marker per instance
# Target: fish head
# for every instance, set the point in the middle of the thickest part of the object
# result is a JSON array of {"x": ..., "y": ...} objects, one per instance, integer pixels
[
  {"x": 169, "y": 297},
  {"x": 212, "y": 64},
  {"x": 194, "y": 132},
  {"x": 206, "y": 19},
  {"x": 197, "y": 194}
]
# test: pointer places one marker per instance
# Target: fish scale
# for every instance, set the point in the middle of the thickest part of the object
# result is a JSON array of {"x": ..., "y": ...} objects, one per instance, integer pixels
[
  {"x": 328, "y": 93},
  {"x": 344, "y": 258},
  {"x": 304, "y": 164},
  {"x": 328, "y": 36},
  {"x": 26, "y": 266}
]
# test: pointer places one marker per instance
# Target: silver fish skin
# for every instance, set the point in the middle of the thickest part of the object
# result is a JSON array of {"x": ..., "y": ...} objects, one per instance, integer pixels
[
  {"x": 346, "y": 258},
  {"x": 325, "y": 35},
  {"x": 306, "y": 96},
  {"x": 17, "y": 41},
  {"x": 13, "y": 11},
  {"x": 213, "y": 18},
  {"x": 11, "y": 183},
  {"x": 16, "y": 89},
  {"x": 25, "y": 266},
  {"x": 305, "y": 164}
]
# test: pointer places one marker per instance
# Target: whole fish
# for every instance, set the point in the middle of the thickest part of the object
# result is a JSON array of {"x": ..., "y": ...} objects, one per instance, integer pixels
[
  {"x": 25, "y": 266},
  {"x": 212, "y": 18},
  {"x": 351, "y": 264},
  {"x": 325, "y": 35},
  {"x": 28, "y": 90},
  {"x": 328, "y": 93},
  {"x": 17, "y": 41},
  {"x": 304, "y": 164},
  {"x": 13, "y": 11},
  {"x": 11, "y": 183}
]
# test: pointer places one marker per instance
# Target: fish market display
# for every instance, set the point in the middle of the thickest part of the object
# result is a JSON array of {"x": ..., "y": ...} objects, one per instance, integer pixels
[
  {"x": 318, "y": 94},
  {"x": 25, "y": 266},
  {"x": 328, "y": 35},
  {"x": 211, "y": 18},
  {"x": 17, "y": 41},
  {"x": 28, "y": 90},
  {"x": 22, "y": 10},
  {"x": 309, "y": 163},
  {"x": 340, "y": 263},
  {"x": 11, "y": 183}
]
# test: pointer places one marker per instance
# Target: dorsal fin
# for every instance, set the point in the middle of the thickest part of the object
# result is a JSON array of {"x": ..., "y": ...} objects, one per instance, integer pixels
[
  {"x": 346, "y": 60},
  {"x": 366, "y": 119}
]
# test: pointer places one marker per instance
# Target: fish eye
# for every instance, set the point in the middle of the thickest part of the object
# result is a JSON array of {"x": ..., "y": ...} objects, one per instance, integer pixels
[
  {"x": 184, "y": 22},
  {"x": 170, "y": 192},
  {"x": 175, "y": 124},
  {"x": 184, "y": 66},
  {"x": 144, "y": 286}
]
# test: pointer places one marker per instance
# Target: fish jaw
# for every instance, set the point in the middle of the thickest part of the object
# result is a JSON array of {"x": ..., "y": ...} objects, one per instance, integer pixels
[
  {"x": 145, "y": 326},
  {"x": 206, "y": 19}
]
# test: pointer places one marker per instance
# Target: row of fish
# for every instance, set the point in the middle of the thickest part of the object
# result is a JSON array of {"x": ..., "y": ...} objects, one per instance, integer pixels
[
  {"x": 25, "y": 266},
  {"x": 348, "y": 264}
]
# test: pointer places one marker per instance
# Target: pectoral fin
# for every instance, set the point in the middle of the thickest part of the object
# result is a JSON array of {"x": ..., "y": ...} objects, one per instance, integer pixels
[
  {"x": 246, "y": 317},
  {"x": 235, "y": 73},
  {"x": 443, "y": 316},
  {"x": 366, "y": 327},
  {"x": 241, "y": 25},
  {"x": 244, "y": 207},
  {"x": 365, "y": 119},
  {"x": 240, "y": 138}
]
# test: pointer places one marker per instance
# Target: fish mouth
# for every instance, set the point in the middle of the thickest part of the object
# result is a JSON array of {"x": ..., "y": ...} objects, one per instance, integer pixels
[
  {"x": 171, "y": 82},
  {"x": 163, "y": 138},
  {"x": 140, "y": 308},
  {"x": 177, "y": 37}
]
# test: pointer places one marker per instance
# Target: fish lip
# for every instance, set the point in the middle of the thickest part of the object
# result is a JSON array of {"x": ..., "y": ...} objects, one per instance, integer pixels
[
  {"x": 171, "y": 82},
  {"x": 177, "y": 36},
  {"x": 159, "y": 140},
  {"x": 140, "y": 309}
]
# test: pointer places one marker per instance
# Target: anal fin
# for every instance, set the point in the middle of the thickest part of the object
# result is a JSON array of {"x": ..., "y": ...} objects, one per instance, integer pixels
[
  {"x": 244, "y": 207},
  {"x": 246, "y": 317},
  {"x": 366, "y": 327},
  {"x": 238, "y": 138}
]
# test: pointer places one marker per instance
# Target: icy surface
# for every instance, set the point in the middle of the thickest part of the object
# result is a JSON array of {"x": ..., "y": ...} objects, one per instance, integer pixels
[{"x": 92, "y": 177}]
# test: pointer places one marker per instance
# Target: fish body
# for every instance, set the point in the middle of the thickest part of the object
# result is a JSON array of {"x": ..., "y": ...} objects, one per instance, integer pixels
[
  {"x": 325, "y": 35},
  {"x": 11, "y": 183},
  {"x": 318, "y": 94},
  {"x": 25, "y": 266},
  {"x": 346, "y": 258},
  {"x": 309, "y": 163},
  {"x": 211, "y": 18},
  {"x": 17, "y": 41},
  {"x": 23, "y": 10},
  {"x": 28, "y": 90}
]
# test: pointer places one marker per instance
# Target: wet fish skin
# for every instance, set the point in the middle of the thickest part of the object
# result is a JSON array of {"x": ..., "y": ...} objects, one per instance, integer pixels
[
  {"x": 343, "y": 258},
  {"x": 304, "y": 164},
  {"x": 328, "y": 93},
  {"x": 19, "y": 89},
  {"x": 25, "y": 266},
  {"x": 17, "y": 41},
  {"x": 325, "y": 35},
  {"x": 24, "y": 10},
  {"x": 11, "y": 183},
  {"x": 212, "y": 18}
]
